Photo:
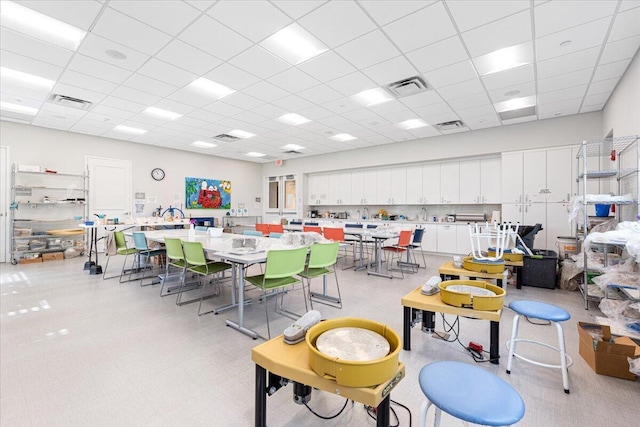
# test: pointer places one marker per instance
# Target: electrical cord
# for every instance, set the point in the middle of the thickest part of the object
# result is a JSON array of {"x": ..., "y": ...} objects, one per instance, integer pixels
[
  {"x": 371, "y": 411},
  {"x": 328, "y": 417},
  {"x": 477, "y": 357}
]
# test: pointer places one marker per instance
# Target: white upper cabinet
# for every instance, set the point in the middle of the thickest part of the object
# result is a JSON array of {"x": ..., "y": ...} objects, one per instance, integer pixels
[
  {"x": 511, "y": 180},
  {"x": 450, "y": 183},
  {"x": 391, "y": 186},
  {"x": 318, "y": 190},
  {"x": 431, "y": 184},
  {"x": 470, "y": 182},
  {"x": 363, "y": 187},
  {"x": 340, "y": 189},
  {"x": 490, "y": 180},
  {"x": 559, "y": 175},
  {"x": 414, "y": 185}
]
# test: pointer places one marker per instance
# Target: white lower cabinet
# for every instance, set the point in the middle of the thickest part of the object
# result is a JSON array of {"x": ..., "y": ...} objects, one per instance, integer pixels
[
  {"x": 463, "y": 239},
  {"x": 430, "y": 238},
  {"x": 447, "y": 238}
]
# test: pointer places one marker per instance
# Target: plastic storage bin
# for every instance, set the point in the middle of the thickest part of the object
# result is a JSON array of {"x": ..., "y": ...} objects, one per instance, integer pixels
[
  {"x": 602, "y": 210},
  {"x": 539, "y": 269}
]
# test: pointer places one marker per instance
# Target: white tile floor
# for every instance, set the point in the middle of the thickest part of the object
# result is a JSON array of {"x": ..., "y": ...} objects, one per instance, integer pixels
[{"x": 79, "y": 351}]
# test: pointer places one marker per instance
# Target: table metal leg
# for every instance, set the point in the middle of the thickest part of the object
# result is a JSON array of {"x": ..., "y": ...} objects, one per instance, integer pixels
[
  {"x": 234, "y": 288},
  {"x": 240, "y": 325},
  {"x": 378, "y": 262},
  {"x": 494, "y": 346},
  {"x": 95, "y": 267},
  {"x": 406, "y": 335},
  {"x": 261, "y": 397},
  {"x": 324, "y": 295},
  {"x": 382, "y": 413}
]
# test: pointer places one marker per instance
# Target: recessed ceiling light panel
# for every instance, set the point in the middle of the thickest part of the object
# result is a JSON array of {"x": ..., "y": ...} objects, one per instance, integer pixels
[
  {"x": 504, "y": 59},
  {"x": 203, "y": 144},
  {"x": 293, "y": 119},
  {"x": 164, "y": 114},
  {"x": 127, "y": 129},
  {"x": 515, "y": 104},
  {"x": 413, "y": 124},
  {"x": 255, "y": 154},
  {"x": 17, "y": 108},
  {"x": 293, "y": 147},
  {"x": 372, "y": 97},
  {"x": 241, "y": 134},
  {"x": 9, "y": 75},
  {"x": 39, "y": 26},
  {"x": 210, "y": 87},
  {"x": 343, "y": 137},
  {"x": 293, "y": 44}
]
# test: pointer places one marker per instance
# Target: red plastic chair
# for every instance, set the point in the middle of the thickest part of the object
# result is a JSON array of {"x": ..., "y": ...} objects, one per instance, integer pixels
[
  {"x": 312, "y": 228},
  {"x": 400, "y": 248}
]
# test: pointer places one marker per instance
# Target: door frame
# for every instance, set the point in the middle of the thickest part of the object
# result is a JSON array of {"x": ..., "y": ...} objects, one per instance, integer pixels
[{"x": 5, "y": 200}]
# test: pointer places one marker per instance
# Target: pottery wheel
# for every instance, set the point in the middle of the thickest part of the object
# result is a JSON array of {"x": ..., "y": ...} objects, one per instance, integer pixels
[
  {"x": 473, "y": 290},
  {"x": 356, "y": 344}
]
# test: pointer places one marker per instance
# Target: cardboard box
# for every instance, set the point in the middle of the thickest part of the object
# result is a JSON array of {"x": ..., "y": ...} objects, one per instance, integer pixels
[
  {"x": 30, "y": 260},
  {"x": 53, "y": 256},
  {"x": 606, "y": 357}
]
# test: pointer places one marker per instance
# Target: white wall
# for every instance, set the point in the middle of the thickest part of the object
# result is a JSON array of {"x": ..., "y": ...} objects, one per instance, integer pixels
[
  {"x": 66, "y": 151},
  {"x": 622, "y": 111}
]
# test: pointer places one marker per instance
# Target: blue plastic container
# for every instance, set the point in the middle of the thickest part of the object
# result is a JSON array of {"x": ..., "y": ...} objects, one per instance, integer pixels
[{"x": 602, "y": 210}]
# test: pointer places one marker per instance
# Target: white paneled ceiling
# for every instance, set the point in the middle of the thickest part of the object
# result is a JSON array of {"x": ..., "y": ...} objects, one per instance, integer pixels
[{"x": 140, "y": 54}]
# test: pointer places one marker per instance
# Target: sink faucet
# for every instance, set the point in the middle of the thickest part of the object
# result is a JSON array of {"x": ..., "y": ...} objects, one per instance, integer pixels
[
  {"x": 365, "y": 213},
  {"x": 423, "y": 212}
]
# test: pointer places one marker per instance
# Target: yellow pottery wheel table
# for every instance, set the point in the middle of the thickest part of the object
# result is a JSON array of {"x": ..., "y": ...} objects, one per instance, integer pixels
[
  {"x": 292, "y": 362},
  {"x": 448, "y": 272},
  {"x": 432, "y": 304}
]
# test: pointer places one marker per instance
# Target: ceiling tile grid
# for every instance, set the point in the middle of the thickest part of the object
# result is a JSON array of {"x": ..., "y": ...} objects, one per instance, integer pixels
[{"x": 140, "y": 54}]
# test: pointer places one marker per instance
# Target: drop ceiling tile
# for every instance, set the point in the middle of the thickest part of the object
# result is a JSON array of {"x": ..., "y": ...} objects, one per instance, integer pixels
[
  {"x": 603, "y": 86},
  {"x": 214, "y": 38},
  {"x": 598, "y": 100},
  {"x": 223, "y": 109},
  {"x": 506, "y": 32},
  {"x": 252, "y": 119},
  {"x": 320, "y": 94},
  {"x": 566, "y": 63},
  {"x": 106, "y": 113},
  {"x": 461, "y": 90},
  {"x": 167, "y": 16},
  {"x": 581, "y": 37},
  {"x": 149, "y": 85},
  {"x": 550, "y": 109},
  {"x": 625, "y": 25},
  {"x": 270, "y": 111},
  {"x": 33, "y": 48},
  {"x": 292, "y": 103},
  {"x": 265, "y": 91},
  {"x": 409, "y": 32},
  {"x": 451, "y": 74},
  {"x": 470, "y": 14},
  {"x": 79, "y": 14},
  {"x": 477, "y": 123},
  {"x": 438, "y": 55},
  {"x": 424, "y": 132},
  {"x": 243, "y": 101},
  {"x": 336, "y": 23},
  {"x": 29, "y": 65},
  {"x": 575, "y": 78},
  {"x": 334, "y": 121},
  {"x": 122, "y": 104},
  {"x": 147, "y": 121},
  {"x": 562, "y": 95},
  {"x": 352, "y": 83},
  {"x": 385, "y": 11},
  {"x": 611, "y": 70},
  {"x": 255, "y": 20},
  {"x": 192, "y": 122},
  {"x": 390, "y": 71},
  {"x": 341, "y": 105},
  {"x": 294, "y": 80},
  {"x": 259, "y": 62},
  {"x": 174, "y": 106},
  {"x": 95, "y": 47},
  {"x": 297, "y": 9},
  {"x": 389, "y": 107},
  {"x": 73, "y": 78},
  {"x": 508, "y": 78},
  {"x": 429, "y": 97},
  {"x": 359, "y": 115},
  {"x": 370, "y": 49},
  {"x": 135, "y": 95},
  {"x": 125, "y": 30},
  {"x": 328, "y": 66},
  {"x": 232, "y": 77},
  {"x": 47, "y": 120},
  {"x": 555, "y": 16},
  {"x": 621, "y": 49},
  {"x": 166, "y": 73},
  {"x": 102, "y": 70},
  {"x": 515, "y": 91},
  {"x": 90, "y": 127},
  {"x": 433, "y": 110},
  {"x": 470, "y": 101},
  {"x": 78, "y": 93},
  {"x": 483, "y": 110},
  {"x": 201, "y": 4},
  {"x": 187, "y": 57},
  {"x": 63, "y": 111},
  {"x": 21, "y": 92}
]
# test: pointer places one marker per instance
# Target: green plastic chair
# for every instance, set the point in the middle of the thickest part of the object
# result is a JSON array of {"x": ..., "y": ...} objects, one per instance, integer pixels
[
  {"x": 198, "y": 264},
  {"x": 322, "y": 261},
  {"x": 175, "y": 258},
  {"x": 280, "y": 269},
  {"x": 143, "y": 255},
  {"x": 121, "y": 249}
]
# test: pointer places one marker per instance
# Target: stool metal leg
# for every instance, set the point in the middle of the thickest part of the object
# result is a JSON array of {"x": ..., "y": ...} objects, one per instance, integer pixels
[
  {"x": 563, "y": 359},
  {"x": 424, "y": 408},
  {"x": 512, "y": 341}
]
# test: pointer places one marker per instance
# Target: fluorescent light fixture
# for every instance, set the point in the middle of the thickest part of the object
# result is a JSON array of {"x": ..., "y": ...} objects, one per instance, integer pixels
[
  {"x": 159, "y": 112},
  {"x": 241, "y": 133},
  {"x": 293, "y": 44},
  {"x": 515, "y": 104},
  {"x": 24, "y": 79},
  {"x": 293, "y": 119},
  {"x": 210, "y": 87},
  {"x": 203, "y": 144},
  {"x": 504, "y": 59},
  {"x": 413, "y": 124},
  {"x": 17, "y": 108},
  {"x": 372, "y": 97},
  {"x": 254, "y": 154},
  {"x": 293, "y": 147},
  {"x": 343, "y": 137},
  {"x": 127, "y": 129},
  {"x": 42, "y": 27}
]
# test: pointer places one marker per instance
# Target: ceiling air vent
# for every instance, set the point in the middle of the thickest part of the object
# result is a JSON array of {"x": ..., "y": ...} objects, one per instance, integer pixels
[
  {"x": 407, "y": 87},
  {"x": 68, "y": 101},
  {"x": 292, "y": 152},
  {"x": 454, "y": 124},
  {"x": 227, "y": 138}
]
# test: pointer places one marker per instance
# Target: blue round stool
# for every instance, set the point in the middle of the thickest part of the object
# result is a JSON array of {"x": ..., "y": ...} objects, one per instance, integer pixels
[
  {"x": 542, "y": 311},
  {"x": 468, "y": 393}
]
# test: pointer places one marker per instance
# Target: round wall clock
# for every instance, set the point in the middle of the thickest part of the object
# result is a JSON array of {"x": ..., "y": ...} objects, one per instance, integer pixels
[{"x": 157, "y": 174}]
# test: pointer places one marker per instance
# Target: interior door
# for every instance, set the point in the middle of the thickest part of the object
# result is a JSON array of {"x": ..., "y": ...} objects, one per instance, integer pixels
[
  {"x": 281, "y": 193},
  {"x": 4, "y": 205},
  {"x": 110, "y": 188}
]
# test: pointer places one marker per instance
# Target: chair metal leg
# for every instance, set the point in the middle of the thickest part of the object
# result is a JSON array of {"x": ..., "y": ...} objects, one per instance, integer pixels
[
  {"x": 563, "y": 358},
  {"x": 512, "y": 341}
]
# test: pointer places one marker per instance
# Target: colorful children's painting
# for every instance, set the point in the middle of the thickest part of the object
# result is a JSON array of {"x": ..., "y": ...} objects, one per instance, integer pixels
[{"x": 205, "y": 193}]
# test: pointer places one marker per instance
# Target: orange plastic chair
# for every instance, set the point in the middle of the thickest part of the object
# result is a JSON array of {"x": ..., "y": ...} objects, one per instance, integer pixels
[
  {"x": 337, "y": 235},
  {"x": 312, "y": 228},
  {"x": 404, "y": 241},
  {"x": 263, "y": 228},
  {"x": 276, "y": 228}
]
